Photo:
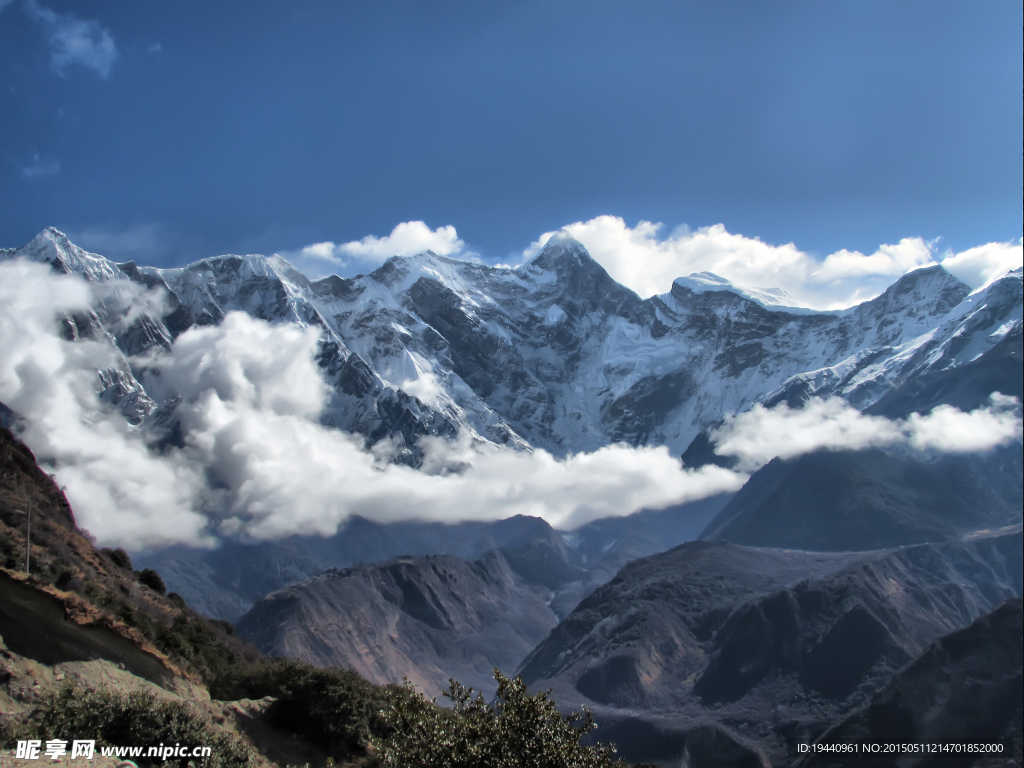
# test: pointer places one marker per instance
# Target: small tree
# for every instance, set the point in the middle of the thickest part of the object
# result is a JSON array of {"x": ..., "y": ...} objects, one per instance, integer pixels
[
  {"x": 150, "y": 578},
  {"x": 517, "y": 731},
  {"x": 118, "y": 557}
]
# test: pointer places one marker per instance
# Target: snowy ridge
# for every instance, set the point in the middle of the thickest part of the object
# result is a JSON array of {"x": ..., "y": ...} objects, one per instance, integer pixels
[
  {"x": 555, "y": 354},
  {"x": 769, "y": 298}
]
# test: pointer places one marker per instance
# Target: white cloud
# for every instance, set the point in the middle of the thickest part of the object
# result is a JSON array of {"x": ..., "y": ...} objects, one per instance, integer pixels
[
  {"x": 289, "y": 475},
  {"x": 248, "y": 363},
  {"x": 426, "y": 387},
  {"x": 114, "y": 484},
  {"x": 757, "y": 436},
  {"x": 948, "y": 429},
  {"x": 41, "y": 167},
  {"x": 74, "y": 41},
  {"x": 407, "y": 239},
  {"x": 641, "y": 260},
  {"x": 761, "y": 434},
  {"x": 984, "y": 264}
]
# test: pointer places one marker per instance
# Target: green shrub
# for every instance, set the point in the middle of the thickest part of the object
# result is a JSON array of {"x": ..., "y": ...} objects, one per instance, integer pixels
[
  {"x": 197, "y": 642},
  {"x": 517, "y": 731},
  {"x": 334, "y": 709},
  {"x": 130, "y": 719}
]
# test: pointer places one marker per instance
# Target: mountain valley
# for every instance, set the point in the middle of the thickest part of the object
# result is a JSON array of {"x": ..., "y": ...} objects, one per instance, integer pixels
[{"x": 825, "y": 587}]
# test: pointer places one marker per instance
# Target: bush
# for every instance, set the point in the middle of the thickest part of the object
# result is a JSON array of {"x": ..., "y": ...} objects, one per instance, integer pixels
[
  {"x": 201, "y": 643},
  {"x": 517, "y": 731},
  {"x": 150, "y": 578},
  {"x": 11, "y": 555},
  {"x": 118, "y": 557},
  {"x": 335, "y": 709},
  {"x": 132, "y": 719}
]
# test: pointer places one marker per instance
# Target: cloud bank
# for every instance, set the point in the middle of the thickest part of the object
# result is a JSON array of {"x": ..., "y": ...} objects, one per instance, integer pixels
[
  {"x": 640, "y": 259},
  {"x": 74, "y": 41},
  {"x": 407, "y": 239},
  {"x": 761, "y": 434}
]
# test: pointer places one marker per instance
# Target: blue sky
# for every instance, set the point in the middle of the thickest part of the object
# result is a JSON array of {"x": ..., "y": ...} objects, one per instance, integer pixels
[{"x": 172, "y": 131}]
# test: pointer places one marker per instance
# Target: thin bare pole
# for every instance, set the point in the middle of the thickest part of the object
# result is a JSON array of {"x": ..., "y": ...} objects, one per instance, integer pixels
[{"x": 28, "y": 532}]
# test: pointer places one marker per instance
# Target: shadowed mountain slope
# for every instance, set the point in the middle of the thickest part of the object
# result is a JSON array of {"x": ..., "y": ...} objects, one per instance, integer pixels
[
  {"x": 425, "y": 618},
  {"x": 435, "y": 617},
  {"x": 965, "y": 688},
  {"x": 771, "y": 644},
  {"x": 859, "y": 500}
]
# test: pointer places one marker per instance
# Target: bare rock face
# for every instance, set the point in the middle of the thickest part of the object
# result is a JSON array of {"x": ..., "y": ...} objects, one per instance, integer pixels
[{"x": 964, "y": 688}]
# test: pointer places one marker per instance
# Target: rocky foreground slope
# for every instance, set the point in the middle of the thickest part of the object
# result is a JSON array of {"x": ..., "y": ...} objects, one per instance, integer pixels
[{"x": 84, "y": 620}]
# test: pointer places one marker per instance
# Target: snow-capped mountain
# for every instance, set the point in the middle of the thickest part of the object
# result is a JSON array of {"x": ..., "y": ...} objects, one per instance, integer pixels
[{"x": 553, "y": 354}]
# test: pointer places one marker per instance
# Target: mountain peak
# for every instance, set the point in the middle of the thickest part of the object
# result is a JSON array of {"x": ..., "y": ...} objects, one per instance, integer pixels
[
  {"x": 49, "y": 244},
  {"x": 53, "y": 247},
  {"x": 566, "y": 258},
  {"x": 931, "y": 287},
  {"x": 699, "y": 282},
  {"x": 54, "y": 235},
  {"x": 562, "y": 250},
  {"x": 935, "y": 274}
]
